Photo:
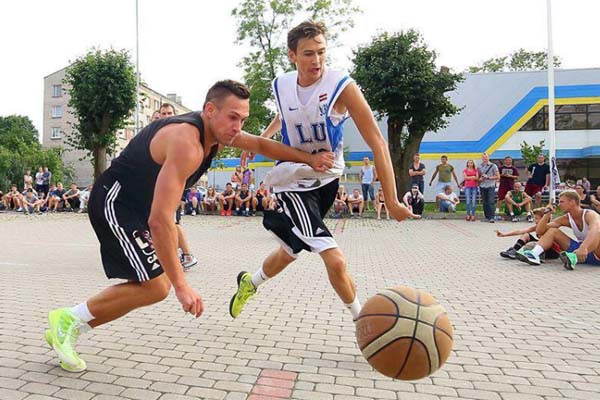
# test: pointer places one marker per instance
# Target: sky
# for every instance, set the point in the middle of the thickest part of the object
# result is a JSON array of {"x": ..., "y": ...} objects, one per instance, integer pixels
[{"x": 187, "y": 45}]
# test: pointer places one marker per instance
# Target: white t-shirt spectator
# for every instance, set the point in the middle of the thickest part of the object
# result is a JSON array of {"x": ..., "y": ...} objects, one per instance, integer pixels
[{"x": 452, "y": 196}]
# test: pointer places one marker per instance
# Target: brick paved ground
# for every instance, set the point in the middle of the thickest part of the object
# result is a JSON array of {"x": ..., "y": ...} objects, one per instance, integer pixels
[{"x": 521, "y": 333}]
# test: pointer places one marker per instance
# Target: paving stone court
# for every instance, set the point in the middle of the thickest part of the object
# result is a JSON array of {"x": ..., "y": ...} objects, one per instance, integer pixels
[{"x": 521, "y": 332}]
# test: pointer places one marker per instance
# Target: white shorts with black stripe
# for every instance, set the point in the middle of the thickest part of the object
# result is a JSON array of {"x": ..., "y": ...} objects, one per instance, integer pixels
[
  {"x": 125, "y": 242},
  {"x": 298, "y": 221}
]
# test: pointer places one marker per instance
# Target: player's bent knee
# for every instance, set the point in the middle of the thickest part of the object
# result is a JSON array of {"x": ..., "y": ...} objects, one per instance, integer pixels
[
  {"x": 157, "y": 289},
  {"x": 336, "y": 268}
]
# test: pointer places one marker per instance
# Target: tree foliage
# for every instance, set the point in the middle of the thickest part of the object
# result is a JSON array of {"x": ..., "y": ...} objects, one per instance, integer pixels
[
  {"x": 529, "y": 152},
  {"x": 101, "y": 86},
  {"x": 399, "y": 78},
  {"x": 262, "y": 25},
  {"x": 520, "y": 60},
  {"x": 20, "y": 151}
]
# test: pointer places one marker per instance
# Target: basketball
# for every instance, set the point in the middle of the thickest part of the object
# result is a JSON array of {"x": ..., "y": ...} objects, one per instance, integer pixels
[{"x": 404, "y": 333}]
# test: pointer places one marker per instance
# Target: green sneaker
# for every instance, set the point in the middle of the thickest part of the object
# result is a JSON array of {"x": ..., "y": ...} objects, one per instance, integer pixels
[
  {"x": 81, "y": 367},
  {"x": 63, "y": 335},
  {"x": 245, "y": 290},
  {"x": 569, "y": 260}
]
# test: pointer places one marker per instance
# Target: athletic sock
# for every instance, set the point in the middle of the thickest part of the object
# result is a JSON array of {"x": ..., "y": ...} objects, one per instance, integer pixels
[
  {"x": 354, "y": 308},
  {"x": 537, "y": 250},
  {"x": 259, "y": 278},
  {"x": 83, "y": 313},
  {"x": 511, "y": 214},
  {"x": 497, "y": 211},
  {"x": 520, "y": 243}
]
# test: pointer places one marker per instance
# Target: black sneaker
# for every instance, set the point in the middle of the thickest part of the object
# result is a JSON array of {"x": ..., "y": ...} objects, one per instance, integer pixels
[
  {"x": 510, "y": 253},
  {"x": 515, "y": 218},
  {"x": 529, "y": 218},
  {"x": 492, "y": 221}
]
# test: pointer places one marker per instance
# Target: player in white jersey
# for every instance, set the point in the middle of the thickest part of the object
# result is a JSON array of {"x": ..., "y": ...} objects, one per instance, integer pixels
[
  {"x": 586, "y": 228},
  {"x": 312, "y": 103}
]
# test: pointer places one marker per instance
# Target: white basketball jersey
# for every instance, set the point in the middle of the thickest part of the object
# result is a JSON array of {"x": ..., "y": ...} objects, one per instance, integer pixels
[{"x": 310, "y": 127}]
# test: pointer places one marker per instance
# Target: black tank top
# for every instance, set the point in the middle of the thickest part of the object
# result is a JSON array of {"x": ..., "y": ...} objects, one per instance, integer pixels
[{"x": 137, "y": 172}]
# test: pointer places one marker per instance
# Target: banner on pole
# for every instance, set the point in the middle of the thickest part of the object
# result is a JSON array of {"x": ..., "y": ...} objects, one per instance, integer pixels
[{"x": 554, "y": 173}]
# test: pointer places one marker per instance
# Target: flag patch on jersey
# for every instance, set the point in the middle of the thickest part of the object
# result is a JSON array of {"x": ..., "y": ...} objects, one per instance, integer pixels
[{"x": 322, "y": 97}]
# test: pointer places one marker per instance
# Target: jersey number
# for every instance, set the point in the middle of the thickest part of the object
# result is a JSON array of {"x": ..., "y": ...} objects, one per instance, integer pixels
[{"x": 318, "y": 133}]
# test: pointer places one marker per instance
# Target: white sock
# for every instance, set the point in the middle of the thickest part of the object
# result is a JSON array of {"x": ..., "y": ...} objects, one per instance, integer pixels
[
  {"x": 354, "y": 308},
  {"x": 259, "y": 278},
  {"x": 512, "y": 214},
  {"x": 83, "y": 313},
  {"x": 537, "y": 250},
  {"x": 497, "y": 211}
]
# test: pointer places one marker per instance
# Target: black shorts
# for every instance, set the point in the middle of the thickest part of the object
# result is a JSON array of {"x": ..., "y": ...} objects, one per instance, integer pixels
[
  {"x": 125, "y": 241},
  {"x": 297, "y": 222}
]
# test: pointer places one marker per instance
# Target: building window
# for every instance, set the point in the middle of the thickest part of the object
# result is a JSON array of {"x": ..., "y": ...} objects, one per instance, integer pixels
[
  {"x": 56, "y": 90},
  {"x": 156, "y": 105},
  {"x": 55, "y": 134},
  {"x": 57, "y": 111},
  {"x": 568, "y": 117}
]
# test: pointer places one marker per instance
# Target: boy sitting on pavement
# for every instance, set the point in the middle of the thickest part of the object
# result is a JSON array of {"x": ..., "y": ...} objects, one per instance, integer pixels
[
  {"x": 586, "y": 228},
  {"x": 527, "y": 235}
]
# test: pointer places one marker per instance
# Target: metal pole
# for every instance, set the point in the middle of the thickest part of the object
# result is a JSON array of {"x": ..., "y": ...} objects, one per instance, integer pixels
[
  {"x": 551, "y": 118},
  {"x": 137, "y": 72}
]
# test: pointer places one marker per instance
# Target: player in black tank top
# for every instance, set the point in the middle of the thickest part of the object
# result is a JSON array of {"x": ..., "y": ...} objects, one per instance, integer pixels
[{"x": 132, "y": 204}]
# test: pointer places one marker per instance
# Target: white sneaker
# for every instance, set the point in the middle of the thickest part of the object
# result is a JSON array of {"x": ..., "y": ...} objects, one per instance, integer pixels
[
  {"x": 193, "y": 212},
  {"x": 188, "y": 261}
]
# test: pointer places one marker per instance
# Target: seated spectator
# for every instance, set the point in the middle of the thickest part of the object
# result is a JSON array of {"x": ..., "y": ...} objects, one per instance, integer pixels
[
  {"x": 84, "y": 197},
  {"x": 56, "y": 200},
  {"x": 595, "y": 199},
  {"x": 243, "y": 199},
  {"x": 517, "y": 202},
  {"x": 355, "y": 203},
  {"x": 193, "y": 201},
  {"x": 448, "y": 200},
  {"x": 340, "y": 204},
  {"x": 71, "y": 198},
  {"x": 209, "y": 202},
  {"x": 585, "y": 225},
  {"x": 530, "y": 234},
  {"x": 380, "y": 203},
  {"x": 27, "y": 187},
  {"x": 31, "y": 203},
  {"x": 585, "y": 200},
  {"x": 13, "y": 200},
  {"x": 414, "y": 200},
  {"x": 260, "y": 201},
  {"x": 227, "y": 200},
  {"x": 2, "y": 206}
]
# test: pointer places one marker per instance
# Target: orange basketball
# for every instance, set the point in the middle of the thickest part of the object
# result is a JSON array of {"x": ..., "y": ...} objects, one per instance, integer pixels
[{"x": 404, "y": 333}]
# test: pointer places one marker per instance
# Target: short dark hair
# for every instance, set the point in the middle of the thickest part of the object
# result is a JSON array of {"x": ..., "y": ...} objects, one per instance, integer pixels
[
  {"x": 306, "y": 30},
  {"x": 222, "y": 89},
  {"x": 165, "y": 105}
]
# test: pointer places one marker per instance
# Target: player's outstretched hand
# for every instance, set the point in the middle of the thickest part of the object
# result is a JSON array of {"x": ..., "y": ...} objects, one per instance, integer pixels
[
  {"x": 322, "y": 161},
  {"x": 191, "y": 302},
  {"x": 400, "y": 212},
  {"x": 499, "y": 234}
]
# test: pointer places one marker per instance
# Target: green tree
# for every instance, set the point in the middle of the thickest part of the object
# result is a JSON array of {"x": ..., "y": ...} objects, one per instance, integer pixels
[
  {"x": 21, "y": 151},
  {"x": 529, "y": 152},
  {"x": 398, "y": 76},
  {"x": 262, "y": 26},
  {"x": 101, "y": 86},
  {"x": 520, "y": 60}
]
